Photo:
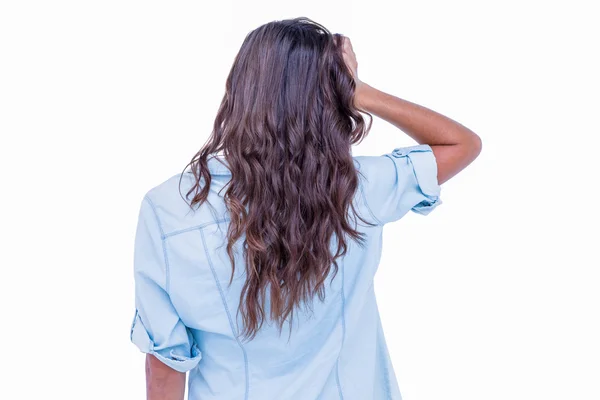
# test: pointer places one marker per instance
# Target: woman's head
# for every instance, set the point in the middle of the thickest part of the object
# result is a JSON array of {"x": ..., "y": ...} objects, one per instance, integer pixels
[{"x": 285, "y": 127}]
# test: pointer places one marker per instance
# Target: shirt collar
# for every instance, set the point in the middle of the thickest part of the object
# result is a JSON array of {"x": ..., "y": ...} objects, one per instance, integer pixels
[{"x": 218, "y": 165}]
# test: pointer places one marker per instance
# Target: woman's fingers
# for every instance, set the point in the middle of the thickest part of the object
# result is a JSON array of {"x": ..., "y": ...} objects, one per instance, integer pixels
[{"x": 350, "y": 56}]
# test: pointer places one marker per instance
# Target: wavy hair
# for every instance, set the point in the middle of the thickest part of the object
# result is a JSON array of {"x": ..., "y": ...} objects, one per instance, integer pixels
[{"x": 285, "y": 126}]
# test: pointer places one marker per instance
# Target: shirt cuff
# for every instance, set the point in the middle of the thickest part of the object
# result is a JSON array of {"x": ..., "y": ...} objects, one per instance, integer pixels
[
  {"x": 425, "y": 169},
  {"x": 178, "y": 362}
]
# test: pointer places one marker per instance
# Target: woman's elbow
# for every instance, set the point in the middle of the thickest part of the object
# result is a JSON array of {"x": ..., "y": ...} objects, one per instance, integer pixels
[{"x": 474, "y": 145}]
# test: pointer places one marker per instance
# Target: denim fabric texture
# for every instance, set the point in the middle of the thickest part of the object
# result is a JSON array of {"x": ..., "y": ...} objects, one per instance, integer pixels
[{"x": 186, "y": 313}]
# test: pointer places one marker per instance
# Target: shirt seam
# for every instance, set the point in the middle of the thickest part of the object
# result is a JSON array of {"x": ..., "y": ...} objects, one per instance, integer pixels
[
  {"x": 163, "y": 243},
  {"x": 224, "y": 301},
  {"x": 364, "y": 197},
  {"x": 193, "y": 228},
  {"x": 343, "y": 311},
  {"x": 384, "y": 362}
]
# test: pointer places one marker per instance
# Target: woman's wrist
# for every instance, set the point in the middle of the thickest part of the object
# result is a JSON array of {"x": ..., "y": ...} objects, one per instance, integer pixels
[{"x": 361, "y": 95}]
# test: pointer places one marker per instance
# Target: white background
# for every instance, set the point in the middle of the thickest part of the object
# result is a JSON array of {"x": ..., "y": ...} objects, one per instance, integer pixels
[{"x": 492, "y": 296}]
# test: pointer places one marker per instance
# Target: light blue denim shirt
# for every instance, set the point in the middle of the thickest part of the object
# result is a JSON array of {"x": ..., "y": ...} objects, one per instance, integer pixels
[{"x": 185, "y": 312}]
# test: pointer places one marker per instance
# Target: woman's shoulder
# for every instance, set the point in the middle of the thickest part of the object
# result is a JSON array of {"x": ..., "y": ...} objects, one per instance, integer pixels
[
  {"x": 171, "y": 203},
  {"x": 400, "y": 180}
]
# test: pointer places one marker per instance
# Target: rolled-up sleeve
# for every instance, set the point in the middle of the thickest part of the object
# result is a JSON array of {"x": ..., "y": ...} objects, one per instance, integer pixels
[
  {"x": 400, "y": 181},
  {"x": 157, "y": 328}
]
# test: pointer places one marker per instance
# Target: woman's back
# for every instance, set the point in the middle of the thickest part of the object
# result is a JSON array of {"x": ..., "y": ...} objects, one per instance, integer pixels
[
  {"x": 293, "y": 219},
  {"x": 186, "y": 310}
]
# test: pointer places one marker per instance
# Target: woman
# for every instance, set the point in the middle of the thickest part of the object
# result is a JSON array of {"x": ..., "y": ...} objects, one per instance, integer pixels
[{"x": 274, "y": 226}]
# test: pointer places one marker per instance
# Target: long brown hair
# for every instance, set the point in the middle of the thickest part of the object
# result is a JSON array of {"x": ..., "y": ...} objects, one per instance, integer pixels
[{"x": 286, "y": 126}]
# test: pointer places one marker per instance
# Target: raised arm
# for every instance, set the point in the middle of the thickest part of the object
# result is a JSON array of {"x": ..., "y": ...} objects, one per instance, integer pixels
[{"x": 454, "y": 145}]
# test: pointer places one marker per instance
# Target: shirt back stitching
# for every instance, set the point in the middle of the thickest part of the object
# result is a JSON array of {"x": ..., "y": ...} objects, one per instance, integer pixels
[
  {"x": 193, "y": 228},
  {"x": 364, "y": 197},
  {"x": 164, "y": 245},
  {"x": 337, "y": 362},
  {"x": 210, "y": 263},
  {"x": 383, "y": 361}
]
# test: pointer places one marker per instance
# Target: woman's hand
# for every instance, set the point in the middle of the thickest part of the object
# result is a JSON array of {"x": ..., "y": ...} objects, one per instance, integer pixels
[
  {"x": 350, "y": 57},
  {"x": 352, "y": 63}
]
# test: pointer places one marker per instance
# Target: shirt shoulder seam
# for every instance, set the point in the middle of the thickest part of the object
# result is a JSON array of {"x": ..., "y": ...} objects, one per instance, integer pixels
[
  {"x": 364, "y": 196},
  {"x": 163, "y": 243}
]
